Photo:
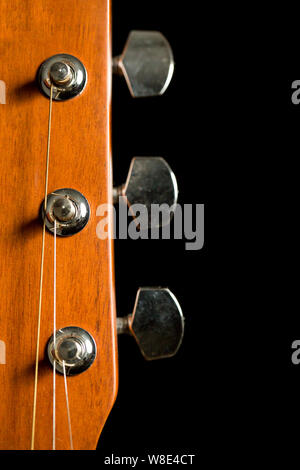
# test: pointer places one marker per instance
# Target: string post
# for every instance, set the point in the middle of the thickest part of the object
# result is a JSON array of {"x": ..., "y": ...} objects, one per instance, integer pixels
[
  {"x": 64, "y": 210},
  {"x": 65, "y": 73},
  {"x": 74, "y": 347},
  {"x": 69, "y": 208},
  {"x": 61, "y": 73}
]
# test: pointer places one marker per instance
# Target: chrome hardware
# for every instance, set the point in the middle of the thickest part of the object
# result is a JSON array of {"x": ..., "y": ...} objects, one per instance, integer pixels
[
  {"x": 60, "y": 73},
  {"x": 147, "y": 63},
  {"x": 63, "y": 210},
  {"x": 69, "y": 208},
  {"x": 157, "y": 323},
  {"x": 150, "y": 181},
  {"x": 73, "y": 345},
  {"x": 67, "y": 74}
]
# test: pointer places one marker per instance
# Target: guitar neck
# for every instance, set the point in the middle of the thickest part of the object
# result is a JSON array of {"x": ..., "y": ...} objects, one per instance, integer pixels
[{"x": 79, "y": 158}]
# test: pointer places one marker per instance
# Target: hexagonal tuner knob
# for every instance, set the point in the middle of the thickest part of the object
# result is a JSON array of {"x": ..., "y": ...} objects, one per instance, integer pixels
[
  {"x": 150, "y": 181},
  {"x": 157, "y": 323},
  {"x": 147, "y": 63}
]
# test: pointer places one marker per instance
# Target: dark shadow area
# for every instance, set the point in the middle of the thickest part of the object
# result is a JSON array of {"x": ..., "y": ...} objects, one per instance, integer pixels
[
  {"x": 32, "y": 227},
  {"x": 25, "y": 92}
]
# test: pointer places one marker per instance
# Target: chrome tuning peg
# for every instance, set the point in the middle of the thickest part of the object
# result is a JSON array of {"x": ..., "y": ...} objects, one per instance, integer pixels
[
  {"x": 157, "y": 323},
  {"x": 147, "y": 63},
  {"x": 150, "y": 181}
]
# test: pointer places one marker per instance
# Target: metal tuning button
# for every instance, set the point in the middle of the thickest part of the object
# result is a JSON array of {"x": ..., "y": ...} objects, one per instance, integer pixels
[
  {"x": 157, "y": 323},
  {"x": 150, "y": 181},
  {"x": 67, "y": 75},
  {"x": 147, "y": 63},
  {"x": 74, "y": 346},
  {"x": 69, "y": 208}
]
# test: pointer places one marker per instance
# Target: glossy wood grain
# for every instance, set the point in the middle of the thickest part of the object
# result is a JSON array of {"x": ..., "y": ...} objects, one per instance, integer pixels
[{"x": 30, "y": 32}]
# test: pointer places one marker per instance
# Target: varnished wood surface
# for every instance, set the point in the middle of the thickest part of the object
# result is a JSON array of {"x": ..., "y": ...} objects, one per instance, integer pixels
[{"x": 30, "y": 32}]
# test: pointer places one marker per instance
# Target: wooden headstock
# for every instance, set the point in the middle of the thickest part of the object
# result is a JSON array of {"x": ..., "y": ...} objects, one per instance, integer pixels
[{"x": 80, "y": 158}]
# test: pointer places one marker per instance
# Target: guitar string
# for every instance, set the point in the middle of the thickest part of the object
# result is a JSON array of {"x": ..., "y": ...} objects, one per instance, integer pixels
[
  {"x": 54, "y": 339},
  {"x": 68, "y": 407},
  {"x": 54, "y": 403},
  {"x": 41, "y": 278}
]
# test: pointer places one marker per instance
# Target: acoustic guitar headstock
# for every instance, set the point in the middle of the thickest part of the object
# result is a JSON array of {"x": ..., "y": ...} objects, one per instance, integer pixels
[{"x": 58, "y": 322}]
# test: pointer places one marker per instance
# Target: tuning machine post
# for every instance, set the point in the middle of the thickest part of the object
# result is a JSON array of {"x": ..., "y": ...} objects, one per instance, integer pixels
[
  {"x": 146, "y": 62},
  {"x": 157, "y": 323},
  {"x": 73, "y": 346},
  {"x": 69, "y": 208},
  {"x": 150, "y": 181},
  {"x": 66, "y": 73}
]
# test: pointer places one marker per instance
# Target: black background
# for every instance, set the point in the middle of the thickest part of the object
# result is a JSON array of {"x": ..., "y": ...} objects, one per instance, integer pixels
[
  {"x": 284, "y": 411},
  {"x": 162, "y": 405}
]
